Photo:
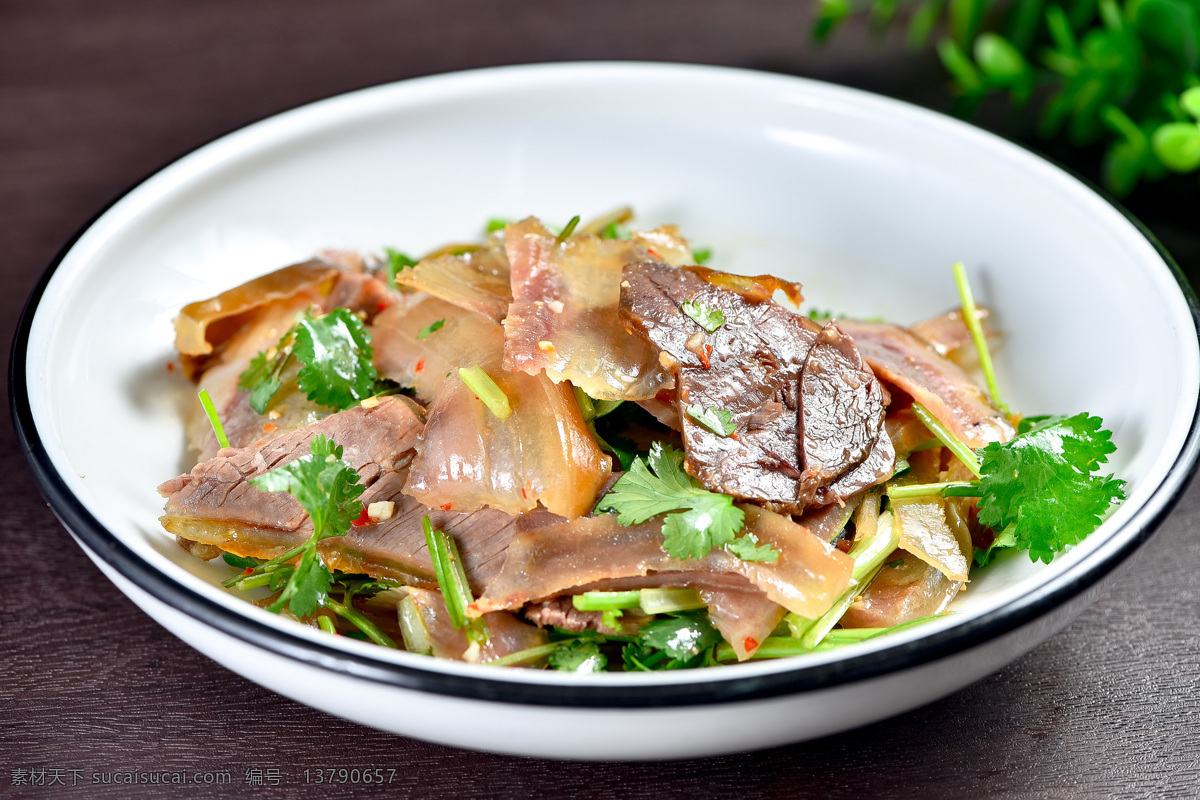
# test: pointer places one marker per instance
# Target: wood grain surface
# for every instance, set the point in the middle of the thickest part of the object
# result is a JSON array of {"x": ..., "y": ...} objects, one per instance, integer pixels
[{"x": 95, "y": 95}]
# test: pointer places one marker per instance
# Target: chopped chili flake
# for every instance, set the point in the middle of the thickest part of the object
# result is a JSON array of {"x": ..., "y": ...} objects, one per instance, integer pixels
[
  {"x": 248, "y": 571},
  {"x": 654, "y": 253},
  {"x": 445, "y": 506},
  {"x": 420, "y": 364},
  {"x": 269, "y": 427},
  {"x": 363, "y": 519},
  {"x": 170, "y": 366},
  {"x": 750, "y": 643},
  {"x": 704, "y": 359},
  {"x": 382, "y": 305},
  {"x": 524, "y": 494}
]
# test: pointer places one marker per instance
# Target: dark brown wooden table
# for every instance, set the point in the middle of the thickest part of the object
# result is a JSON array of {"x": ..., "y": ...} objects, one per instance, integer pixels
[{"x": 95, "y": 95}]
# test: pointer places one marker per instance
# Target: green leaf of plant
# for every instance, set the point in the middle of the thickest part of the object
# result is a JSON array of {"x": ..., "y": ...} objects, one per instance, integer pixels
[
  {"x": 748, "y": 548},
  {"x": 717, "y": 420},
  {"x": 336, "y": 351},
  {"x": 998, "y": 58},
  {"x": 709, "y": 519},
  {"x": 703, "y": 315},
  {"x": 1041, "y": 484},
  {"x": 578, "y": 655},
  {"x": 1177, "y": 144}
]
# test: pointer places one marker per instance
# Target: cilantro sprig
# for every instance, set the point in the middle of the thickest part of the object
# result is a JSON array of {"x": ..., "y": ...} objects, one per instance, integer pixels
[
  {"x": 679, "y": 641},
  {"x": 1041, "y": 490},
  {"x": 701, "y": 520},
  {"x": 1043, "y": 484},
  {"x": 327, "y": 488},
  {"x": 335, "y": 352}
]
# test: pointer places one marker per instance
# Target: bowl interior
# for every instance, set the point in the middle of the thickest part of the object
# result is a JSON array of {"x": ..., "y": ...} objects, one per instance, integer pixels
[{"x": 865, "y": 201}]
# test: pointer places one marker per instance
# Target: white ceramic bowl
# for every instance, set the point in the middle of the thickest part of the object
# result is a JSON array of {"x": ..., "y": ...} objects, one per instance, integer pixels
[{"x": 865, "y": 200}]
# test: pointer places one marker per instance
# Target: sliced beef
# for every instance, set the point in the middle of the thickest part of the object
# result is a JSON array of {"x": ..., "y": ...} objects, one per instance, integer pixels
[
  {"x": 555, "y": 559},
  {"x": 785, "y": 448},
  {"x": 841, "y": 411},
  {"x": 393, "y": 548},
  {"x": 375, "y": 440}
]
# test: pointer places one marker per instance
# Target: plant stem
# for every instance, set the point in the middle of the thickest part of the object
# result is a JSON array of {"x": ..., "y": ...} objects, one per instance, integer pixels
[
  {"x": 365, "y": 625},
  {"x": 606, "y": 601},
  {"x": 971, "y": 318},
  {"x": 950, "y": 489},
  {"x": 522, "y": 656},
  {"x": 965, "y": 454},
  {"x": 211, "y": 411}
]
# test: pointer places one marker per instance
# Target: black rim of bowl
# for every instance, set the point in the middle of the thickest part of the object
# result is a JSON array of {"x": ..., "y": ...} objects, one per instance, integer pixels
[{"x": 702, "y": 690}]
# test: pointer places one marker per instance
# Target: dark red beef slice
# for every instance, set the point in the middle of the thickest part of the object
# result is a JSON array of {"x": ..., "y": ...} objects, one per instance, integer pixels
[
  {"x": 752, "y": 371},
  {"x": 841, "y": 409},
  {"x": 752, "y": 366}
]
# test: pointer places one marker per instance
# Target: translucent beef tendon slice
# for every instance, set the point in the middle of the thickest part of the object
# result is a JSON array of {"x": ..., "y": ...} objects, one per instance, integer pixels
[
  {"x": 783, "y": 450},
  {"x": 563, "y": 317},
  {"x": 476, "y": 280},
  {"x": 468, "y": 458}
]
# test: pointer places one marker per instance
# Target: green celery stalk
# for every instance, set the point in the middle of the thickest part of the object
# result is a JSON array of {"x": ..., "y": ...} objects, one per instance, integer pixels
[
  {"x": 487, "y": 390},
  {"x": 971, "y": 318},
  {"x": 667, "y": 600},
  {"x": 949, "y": 489},
  {"x": 412, "y": 627},
  {"x": 965, "y": 454},
  {"x": 868, "y": 558},
  {"x": 606, "y": 601},
  {"x": 523, "y": 656},
  {"x": 211, "y": 411}
]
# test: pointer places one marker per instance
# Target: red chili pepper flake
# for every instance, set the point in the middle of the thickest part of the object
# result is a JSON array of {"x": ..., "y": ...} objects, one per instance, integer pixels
[
  {"x": 473, "y": 607},
  {"x": 843, "y": 545},
  {"x": 734, "y": 436},
  {"x": 445, "y": 506},
  {"x": 420, "y": 364},
  {"x": 248, "y": 571},
  {"x": 750, "y": 644},
  {"x": 170, "y": 366},
  {"x": 382, "y": 306},
  {"x": 704, "y": 359},
  {"x": 269, "y": 427},
  {"x": 524, "y": 494},
  {"x": 654, "y": 253},
  {"x": 363, "y": 519}
]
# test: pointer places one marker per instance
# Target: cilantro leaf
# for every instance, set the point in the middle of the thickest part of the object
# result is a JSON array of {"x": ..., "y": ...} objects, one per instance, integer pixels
[
  {"x": 327, "y": 488},
  {"x": 578, "y": 655},
  {"x": 702, "y": 255},
  {"x": 397, "y": 262},
  {"x": 709, "y": 519},
  {"x": 436, "y": 325},
  {"x": 717, "y": 420},
  {"x": 703, "y": 314},
  {"x": 680, "y": 641},
  {"x": 1042, "y": 484},
  {"x": 496, "y": 224},
  {"x": 264, "y": 376},
  {"x": 747, "y": 548},
  {"x": 336, "y": 351}
]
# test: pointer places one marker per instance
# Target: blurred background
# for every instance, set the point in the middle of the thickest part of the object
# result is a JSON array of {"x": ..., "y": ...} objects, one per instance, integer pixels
[{"x": 96, "y": 95}]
